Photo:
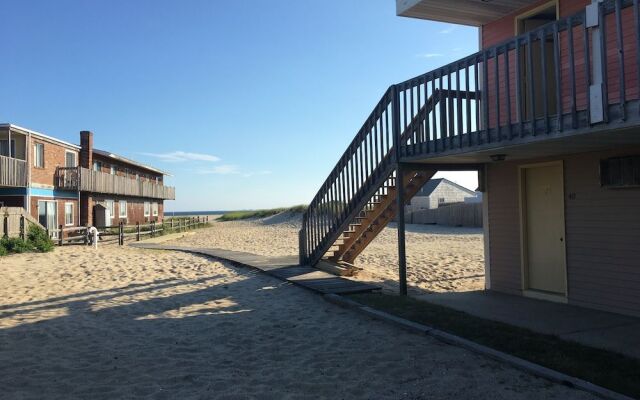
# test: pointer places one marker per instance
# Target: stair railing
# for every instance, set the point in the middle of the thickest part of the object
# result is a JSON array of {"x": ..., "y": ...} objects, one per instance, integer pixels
[{"x": 365, "y": 170}]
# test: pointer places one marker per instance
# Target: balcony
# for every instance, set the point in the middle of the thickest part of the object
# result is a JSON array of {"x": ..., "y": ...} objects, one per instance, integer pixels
[
  {"x": 13, "y": 172},
  {"x": 86, "y": 180},
  {"x": 574, "y": 80}
]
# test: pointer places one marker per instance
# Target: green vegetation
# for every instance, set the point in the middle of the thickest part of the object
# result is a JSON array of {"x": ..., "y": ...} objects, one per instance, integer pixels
[
  {"x": 37, "y": 240},
  {"x": 238, "y": 215},
  {"x": 611, "y": 370}
]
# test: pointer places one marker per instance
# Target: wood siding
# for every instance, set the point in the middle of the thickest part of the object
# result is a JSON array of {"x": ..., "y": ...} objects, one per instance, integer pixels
[
  {"x": 101, "y": 182},
  {"x": 602, "y": 233},
  {"x": 504, "y": 227}
]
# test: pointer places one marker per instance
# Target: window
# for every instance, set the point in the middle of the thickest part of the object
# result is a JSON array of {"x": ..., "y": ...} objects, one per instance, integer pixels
[
  {"x": 68, "y": 214},
  {"x": 122, "y": 205},
  {"x": 147, "y": 210},
  {"x": 110, "y": 205},
  {"x": 38, "y": 155},
  {"x": 620, "y": 172},
  {"x": 155, "y": 209},
  {"x": 112, "y": 170},
  {"x": 441, "y": 200},
  {"x": 4, "y": 148},
  {"x": 97, "y": 166},
  {"x": 69, "y": 159}
]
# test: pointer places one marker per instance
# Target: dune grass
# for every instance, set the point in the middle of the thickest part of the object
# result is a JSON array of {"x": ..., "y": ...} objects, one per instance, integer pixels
[
  {"x": 611, "y": 370},
  {"x": 238, "y": 215}
]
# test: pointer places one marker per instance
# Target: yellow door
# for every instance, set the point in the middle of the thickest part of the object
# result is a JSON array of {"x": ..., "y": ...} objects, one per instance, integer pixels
[{"x": 544, "y": 234}]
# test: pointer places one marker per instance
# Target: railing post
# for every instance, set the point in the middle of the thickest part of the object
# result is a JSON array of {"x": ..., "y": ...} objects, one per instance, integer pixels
[
  {"x": 86, "y": 235},
  {"x": 137, "y": 231},
  {"x": 5, "y": 226},
  {"x": 22, "y": 233},
  {"x": 397, "y": 133},
  {"x": 121, "y": 233},
  {"x": 597, "y": 90},
  {"x": 60, "y": 235}
]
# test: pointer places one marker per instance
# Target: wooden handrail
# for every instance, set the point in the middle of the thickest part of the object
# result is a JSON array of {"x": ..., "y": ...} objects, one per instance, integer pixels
[
  {"x": 13, "y": 172},
  {"x": 87, "y": 180}
]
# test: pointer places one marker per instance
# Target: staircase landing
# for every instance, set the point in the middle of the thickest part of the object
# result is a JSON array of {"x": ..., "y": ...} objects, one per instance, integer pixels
[{"x": 284, "y": 268}]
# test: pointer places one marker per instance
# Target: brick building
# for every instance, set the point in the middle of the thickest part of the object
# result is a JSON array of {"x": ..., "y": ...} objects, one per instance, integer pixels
[{"x": 60, "y": 183}]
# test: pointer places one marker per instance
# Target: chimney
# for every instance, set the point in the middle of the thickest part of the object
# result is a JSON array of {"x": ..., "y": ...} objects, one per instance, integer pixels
[{"x": 86, "y": 149}]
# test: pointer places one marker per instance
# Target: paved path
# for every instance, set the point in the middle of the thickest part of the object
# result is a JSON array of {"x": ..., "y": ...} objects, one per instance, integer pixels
[
  {"x": 285, "y": 268},
  {"x": 594, "y": 328}
]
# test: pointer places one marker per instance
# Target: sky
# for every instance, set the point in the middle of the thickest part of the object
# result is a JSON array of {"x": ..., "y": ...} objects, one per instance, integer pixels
[{"x": 248, "y": 104}]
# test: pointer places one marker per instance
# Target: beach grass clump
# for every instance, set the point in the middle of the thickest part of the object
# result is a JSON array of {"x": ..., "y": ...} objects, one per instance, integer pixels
[
  {"x": 15, "y": 245},
  {"x": 38, "y": 239},
  {"x": 248, "y": 214}
]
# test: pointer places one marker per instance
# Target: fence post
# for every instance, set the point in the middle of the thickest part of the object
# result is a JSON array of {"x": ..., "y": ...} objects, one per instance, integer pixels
[
  {"x": 22, "y": 235},
  {"x": 86, "y": 235},
  {"x": 5, "y": 227},
  {"x": 60, "y": 235},
  {"x": 121, "y": 233},
  {"x": 137, "y": 231},
  {"x": 171, "y": 221},
  {"x": 153, "y": 228}
]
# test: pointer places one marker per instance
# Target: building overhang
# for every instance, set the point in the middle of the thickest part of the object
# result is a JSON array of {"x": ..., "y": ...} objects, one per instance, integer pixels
[{"x": 464, "y": 12}]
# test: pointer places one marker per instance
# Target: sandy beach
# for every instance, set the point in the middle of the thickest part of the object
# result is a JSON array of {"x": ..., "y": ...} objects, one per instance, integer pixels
[
  {"x": 120, "y": 323},
  {"x": 439, "y": 259}
]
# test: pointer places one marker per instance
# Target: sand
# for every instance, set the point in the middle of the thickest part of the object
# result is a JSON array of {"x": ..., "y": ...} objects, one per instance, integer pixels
[
  {"x": 121, "y": 323},
  {"x": 439, "y": 259}
]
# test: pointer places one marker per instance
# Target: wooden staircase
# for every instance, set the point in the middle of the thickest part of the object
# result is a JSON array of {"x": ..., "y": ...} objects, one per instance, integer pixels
[
  {"x": 377, "y": 213},
  {"x": 358, "y": 198}
]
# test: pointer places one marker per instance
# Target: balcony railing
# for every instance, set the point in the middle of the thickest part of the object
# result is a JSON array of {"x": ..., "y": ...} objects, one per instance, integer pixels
[
  {"x": 86, "y": 180},
  {"x": 13, "y": 172},
  {"x": 556, "y": 80}
]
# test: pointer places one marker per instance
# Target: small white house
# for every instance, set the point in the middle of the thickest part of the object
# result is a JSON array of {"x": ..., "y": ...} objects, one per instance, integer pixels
[{"x": 441, "y": 191}]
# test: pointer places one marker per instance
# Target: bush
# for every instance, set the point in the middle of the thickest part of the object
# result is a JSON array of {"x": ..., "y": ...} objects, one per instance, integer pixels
[
  {"x": 3, "y": 251},
  {"x": 15, "y": 245},
  {"x": 38, "y": 239}
]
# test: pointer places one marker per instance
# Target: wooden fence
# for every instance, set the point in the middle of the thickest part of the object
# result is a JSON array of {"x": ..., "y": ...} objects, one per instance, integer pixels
[
  {"x": 13, "y": 172},
  {"x": 121, "y": 233},
  {"x": 15, "y": 221},
  {"x": 456, "y": 214}
]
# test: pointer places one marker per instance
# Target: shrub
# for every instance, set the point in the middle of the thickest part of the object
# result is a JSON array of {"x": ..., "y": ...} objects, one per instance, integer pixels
[
  {"x": 15, "y": 245},
  {"x": 3, "y": 251},
  {"x": 38, "y": 239}
]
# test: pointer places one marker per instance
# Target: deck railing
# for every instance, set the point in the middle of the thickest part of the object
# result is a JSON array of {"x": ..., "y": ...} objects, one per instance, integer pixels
[
  {"x": 551, "y": 81},
  {"x": 13, "y": 172},
  {"x": 86, "y": 180}
]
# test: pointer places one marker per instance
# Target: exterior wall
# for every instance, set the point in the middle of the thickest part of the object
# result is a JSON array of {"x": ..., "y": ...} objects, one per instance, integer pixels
[
  {"x": 124, "y": 169},
  {"x": 60, "y": 208},
  {"x": 602, "y": 232},
  {"x": 450, "y": 193},
  {"x": 54, "y": 156},
  {"x": 135, "y": 209}
]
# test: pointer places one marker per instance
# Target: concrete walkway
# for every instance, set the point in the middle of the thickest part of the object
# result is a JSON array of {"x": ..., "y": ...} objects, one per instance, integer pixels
[
  {"x": 285, "y": 268},
  {"x": 593, "y": 328}
]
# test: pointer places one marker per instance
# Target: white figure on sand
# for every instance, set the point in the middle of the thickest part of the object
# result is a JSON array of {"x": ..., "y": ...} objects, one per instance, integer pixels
[{"x": 93, "y": 234}]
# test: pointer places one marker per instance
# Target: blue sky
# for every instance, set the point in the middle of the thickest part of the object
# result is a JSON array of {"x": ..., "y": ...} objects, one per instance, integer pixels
[{"x": 248, "y": 104}]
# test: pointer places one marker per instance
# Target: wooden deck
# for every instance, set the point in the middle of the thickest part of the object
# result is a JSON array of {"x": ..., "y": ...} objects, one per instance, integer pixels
[{"x": 284, "y": 268}]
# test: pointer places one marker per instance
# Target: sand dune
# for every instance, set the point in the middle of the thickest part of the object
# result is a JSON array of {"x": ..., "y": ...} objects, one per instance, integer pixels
[
  {"x": 438, "y": 258},
  {"x": 125, "y": 323}
]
